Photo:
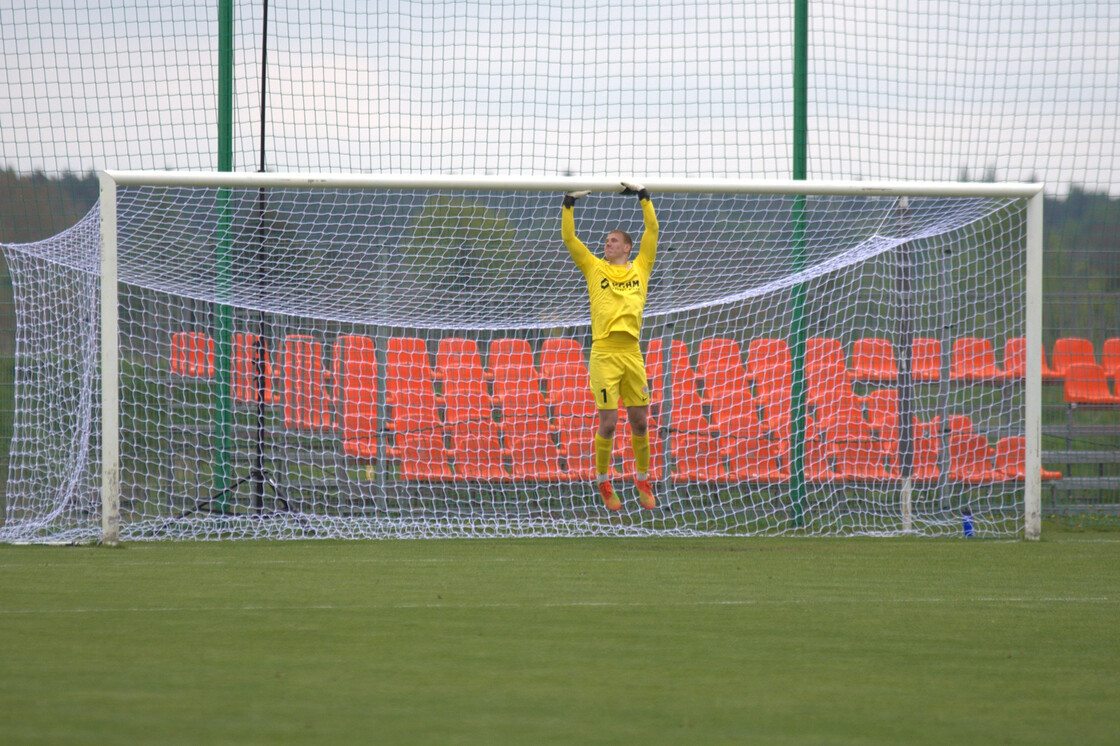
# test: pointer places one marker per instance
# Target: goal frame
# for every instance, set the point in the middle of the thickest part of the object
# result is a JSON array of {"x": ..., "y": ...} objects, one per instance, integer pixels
[{"x": 109, "y": 292}]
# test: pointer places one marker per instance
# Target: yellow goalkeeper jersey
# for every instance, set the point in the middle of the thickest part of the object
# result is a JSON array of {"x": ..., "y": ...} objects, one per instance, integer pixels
[{"x": 618, "y": 293}]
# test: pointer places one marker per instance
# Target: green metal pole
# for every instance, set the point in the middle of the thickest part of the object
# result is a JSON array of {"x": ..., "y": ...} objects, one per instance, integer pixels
[
  {"x": 223, "y": 341},
  {"x": 225, "y": 85},
  {"x": 797, "y": 218},
  {"x": 800, "y": 88}
]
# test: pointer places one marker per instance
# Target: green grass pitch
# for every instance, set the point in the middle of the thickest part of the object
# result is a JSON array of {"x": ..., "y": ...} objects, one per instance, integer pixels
[{"x": 588, "y": 641}]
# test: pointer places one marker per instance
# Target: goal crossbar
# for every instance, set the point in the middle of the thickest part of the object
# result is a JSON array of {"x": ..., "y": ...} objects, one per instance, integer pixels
[{"x": 570, "y": 183}]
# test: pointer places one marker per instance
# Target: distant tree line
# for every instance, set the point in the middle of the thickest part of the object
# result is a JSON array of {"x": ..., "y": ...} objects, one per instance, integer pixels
[{"x": 36, "y": 206}]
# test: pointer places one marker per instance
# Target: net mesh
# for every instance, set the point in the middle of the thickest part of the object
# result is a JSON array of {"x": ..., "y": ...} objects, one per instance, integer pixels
[
  {"x": 1019, "y": 91},
  {"x": 403, "y": 362}
]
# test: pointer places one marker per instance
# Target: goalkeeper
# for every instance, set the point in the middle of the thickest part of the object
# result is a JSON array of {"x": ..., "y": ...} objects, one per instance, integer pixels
[{"x": 617, "y": 288}]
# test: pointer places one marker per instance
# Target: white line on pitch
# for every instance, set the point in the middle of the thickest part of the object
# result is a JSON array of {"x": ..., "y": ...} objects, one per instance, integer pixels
[
  {"x": 561, "y": 605},
  {"x": 335, "y": 561}
]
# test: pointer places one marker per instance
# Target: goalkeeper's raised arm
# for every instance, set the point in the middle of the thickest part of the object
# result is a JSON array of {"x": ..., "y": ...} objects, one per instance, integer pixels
[
  {"x": 580, "y": 253},
  {"x": 647, "y": 249}
]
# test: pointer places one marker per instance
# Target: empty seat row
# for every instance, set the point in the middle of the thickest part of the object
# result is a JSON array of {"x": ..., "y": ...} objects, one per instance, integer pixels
[
  {"x": 547, "y": 419},
  {"x": 972, "y": 359},
  {"x": 872, "y": 359}
]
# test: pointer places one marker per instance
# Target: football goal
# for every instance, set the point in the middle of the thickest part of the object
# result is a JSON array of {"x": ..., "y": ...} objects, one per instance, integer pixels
[{"x": 227, "y": 355}]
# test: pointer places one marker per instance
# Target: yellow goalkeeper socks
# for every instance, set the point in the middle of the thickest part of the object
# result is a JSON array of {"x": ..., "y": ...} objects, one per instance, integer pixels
[
  {"x": 604, "y": 449},
  {"x": 640, "y": 444}
]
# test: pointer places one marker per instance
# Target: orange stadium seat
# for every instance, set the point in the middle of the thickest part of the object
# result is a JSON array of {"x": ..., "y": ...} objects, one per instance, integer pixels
[
  {"x": 1069, "y": 351},
  {"x": 818, "y": 466},
  {"x": 858, "y": 460},
  {"x": 824, "y": 353},
  {"x": 458, "y": 362},
  {"x": 477, "y": 452},
  {"x": 958, "y": 423},
  {"x": 421, "y": 456},
  {"x": 517, "y": 385},
  {"x": 1015, "y": 358},
  {"x": 1015, "y": 361},
  {"x": 732, "y": 402},
  {"x": 697, "y": 457},
  {"x": 772, "y": 394},
  {"x": 407, "y": 367},
  {"x": 566, "y": 382},
  {"x": 306, "y": 404},
  {"x": 753, "y": 459},
  {"x": 418, "y": 437},
  {"x": 192, "y": 354},
  {"x": 1086, "y": 383},
  {"x": 466, "y": 403},
  {"x": 571, "y": 401},
  {"x": 1010, "y": 459},
  {"x": 1110, "y": 360},
  {"x": 882, "y": 419},
  {"x": 414, "y": 411},
  {"x": 243, "y": 369},
  {"x": 974, "y": 361},
  {"x": 970, "y": 459},
  {"x": 849, "y": 441},
  {"x": 825, "y": 382},
  {"x": 560, "y": 351},
  {"x": 682, "y": 375},
  {"x": 926, "y": 463},
  {"x": 414, "y": 417},
  {"x": 576, "y": 435},
  {"x": 842, "y": 410},
  {"x": 742, "y": 441},
  {"x": 734, "y": 411},
  {"x": 925, "y": 361},
  {"x": 511, "y": 358},
  {"x": 719, "y": 363},
  {"x": 873, "y": 360},
  {"x": 1049, "y": 375},
  {"x": 687, "y": 412},
  {"x": 532, "y": 452},
  {"x": 569, "y": 374},
  {"x": 767, "y": 352},
  {"x": 694, "y": 448},
  {"x": 355, "y": 380},
  {"x": 520, "y": 399}
]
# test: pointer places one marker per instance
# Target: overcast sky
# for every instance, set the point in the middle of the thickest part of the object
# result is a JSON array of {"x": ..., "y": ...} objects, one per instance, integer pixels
[{"x": 897, "y": 90}]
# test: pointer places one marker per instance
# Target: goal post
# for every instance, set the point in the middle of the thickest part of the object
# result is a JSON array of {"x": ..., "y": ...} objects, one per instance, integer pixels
[
  {"x": 110, "y": 380},
  {"x": 722, "y": 275},
  {"x": 1032, "y": 494}
]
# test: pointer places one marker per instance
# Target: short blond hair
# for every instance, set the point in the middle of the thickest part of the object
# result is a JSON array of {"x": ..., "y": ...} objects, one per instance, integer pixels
[{"x": 625, "y": 236}]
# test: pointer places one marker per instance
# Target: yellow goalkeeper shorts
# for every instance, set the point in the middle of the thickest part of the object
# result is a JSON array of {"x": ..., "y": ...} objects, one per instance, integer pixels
[{"x": 616, "y": 373}]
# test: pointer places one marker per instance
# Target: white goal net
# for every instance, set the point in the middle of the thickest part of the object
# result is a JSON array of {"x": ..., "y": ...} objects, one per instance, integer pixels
[{"x": 366, "y": 359}]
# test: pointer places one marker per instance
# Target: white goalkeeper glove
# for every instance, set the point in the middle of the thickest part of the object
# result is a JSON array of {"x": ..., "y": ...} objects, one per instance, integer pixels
[
  {"x": 629, "y": 187},
  {"x": 571, "y": 197}
]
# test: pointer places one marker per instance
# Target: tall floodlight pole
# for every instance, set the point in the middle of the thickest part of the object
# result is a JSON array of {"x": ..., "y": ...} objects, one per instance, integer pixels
[
  {"x": 904, "y": 287},
  {"x": 260, "y": 357},
  {"x": 797, "y": 221},
  {"x": 222, "y": 257}
]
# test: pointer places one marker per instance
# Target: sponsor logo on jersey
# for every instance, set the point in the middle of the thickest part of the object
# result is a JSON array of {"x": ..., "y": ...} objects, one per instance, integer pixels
[{"x": 626, "y": 285}]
